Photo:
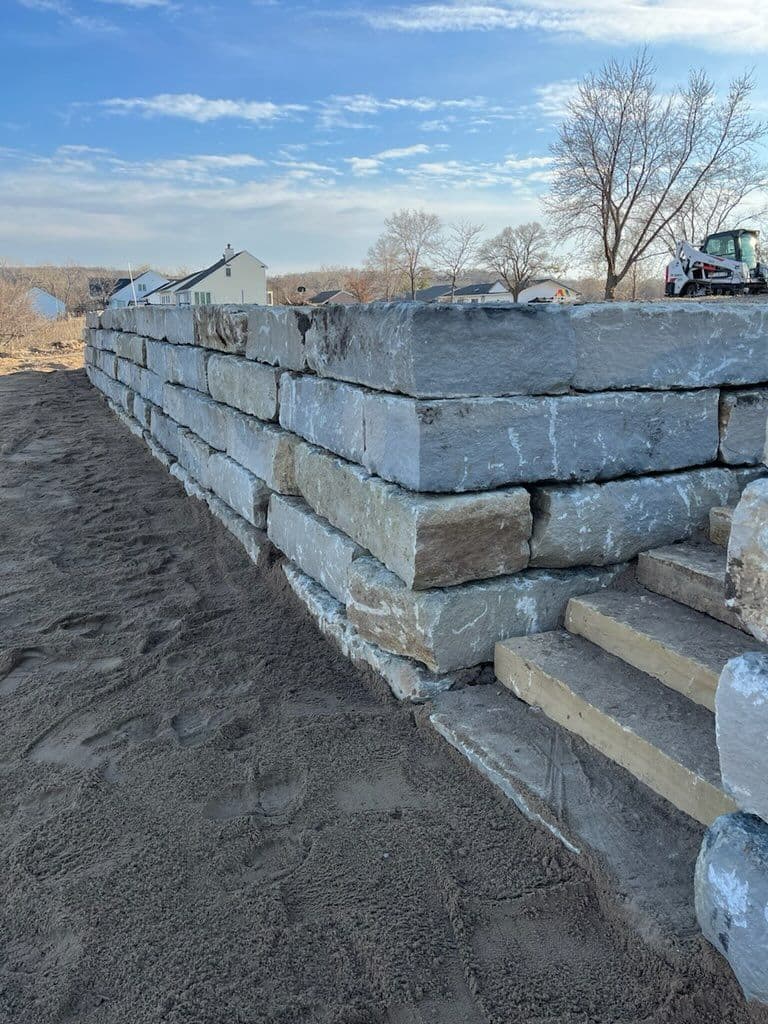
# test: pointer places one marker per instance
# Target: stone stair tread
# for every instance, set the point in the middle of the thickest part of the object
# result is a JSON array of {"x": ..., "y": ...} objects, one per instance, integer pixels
[
  {"x": 691, "y": 574},
  {"x": 664, "y": 739},
  {"x": 683, "y": 648}
]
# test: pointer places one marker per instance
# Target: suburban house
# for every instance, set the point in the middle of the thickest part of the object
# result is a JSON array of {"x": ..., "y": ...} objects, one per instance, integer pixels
[
  {"x": 238, "y": 277},
  {"x": 126, "y": 293},
  {"x": 433, "y": 294},
  {"x": 45, "y": 304},
  {"x": 335, "y": 296},
  {"x": 545, "y": 289}
]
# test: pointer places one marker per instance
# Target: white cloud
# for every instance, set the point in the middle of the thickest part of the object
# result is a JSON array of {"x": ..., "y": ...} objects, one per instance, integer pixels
[
  {"x": 608, "y": 21},
  {"x": 363, "y": 166},
  {"x": 67, "y": 13},
  {"x": 349, "y": 111},
  {"x": 192, "y": 107},
  {"x": 140, "y": 5},
  {"x": 553, "y": 98},
  {"x": 396, "y": 154}
]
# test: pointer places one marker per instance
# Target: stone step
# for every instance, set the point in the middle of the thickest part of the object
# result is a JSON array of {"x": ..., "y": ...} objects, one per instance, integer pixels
[
  {"x": 664, "y": 740},
  {"x": 691, "y": 574},
  {"x": 720, "y": 525},
  {"x": 682, "y": 648}
]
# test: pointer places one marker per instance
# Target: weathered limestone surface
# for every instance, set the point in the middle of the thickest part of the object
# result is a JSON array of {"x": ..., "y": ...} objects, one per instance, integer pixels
[
  {"x": 317, "y": 548},
  {"x": 263, "y": 448},
  {"x": 669, "y": 344},
  {"x": 143, "y": 381},
  {"x": 243, "y": 384},
  {"x": 174, "y": 324},
  {"x": 142, "y": 410},
  {"x": 105, "y": 360},
  {"x": 325, "y": 412},
  {"x": 166, "y": 431},
  {"x": 743, "y": 419},
  {"x": 206, "y": 418},
  {"x": 720, "y": 525},
  {"x": 428, "y": 540},
  {"x": 241, "y": 490},
  {"x": 129, "y": 346},
  {"x": 444, "y": 351},
  {"x": 746, "y": 579},
  {"x": 476, "y": 443},
  {"x": 113, "y": 389},
  {"x": 224, "y": 328},
  {"x": 741, "y": 717},
  {"x": 253, "y": 539},
  {"x": 178, "y": 364},
  {"x": 276, "y": 335},
  {"x": 731, "y": 887},
  {"x": 598, "y": 524},
  {"x": 456, "y": 627}
]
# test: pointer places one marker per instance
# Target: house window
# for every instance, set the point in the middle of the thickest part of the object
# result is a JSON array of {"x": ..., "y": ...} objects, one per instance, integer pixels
[
  {"x": 229, "y": 271},
  {"x": 202, "y": 298}
]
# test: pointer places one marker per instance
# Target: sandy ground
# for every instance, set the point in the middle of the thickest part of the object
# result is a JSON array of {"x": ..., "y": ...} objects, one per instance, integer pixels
[{"x": 207, "y": 815}]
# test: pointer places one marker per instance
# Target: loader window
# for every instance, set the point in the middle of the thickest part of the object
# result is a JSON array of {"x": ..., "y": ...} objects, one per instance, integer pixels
[
  {"x": 748, "y": 250},
  {"x": 723, "y": 246}
]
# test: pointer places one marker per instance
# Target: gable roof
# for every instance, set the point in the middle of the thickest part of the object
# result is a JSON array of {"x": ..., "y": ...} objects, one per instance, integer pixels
[
  {"x": 553, "y": 280},
  {"x": 485, "y": 288},
  {"x": 435, "y": 291},
  {"x": 322, "y": 297},
  {"x": 183, "y": 284}
]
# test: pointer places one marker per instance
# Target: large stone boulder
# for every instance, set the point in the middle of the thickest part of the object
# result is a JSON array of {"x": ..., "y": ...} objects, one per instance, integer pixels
[
  {"x": 741, "y": 710},
  {"x": 731, "y": 887},
  {"x": 746, "y": 580}
]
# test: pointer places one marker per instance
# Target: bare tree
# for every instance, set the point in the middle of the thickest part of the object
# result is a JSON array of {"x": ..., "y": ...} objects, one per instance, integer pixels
[
  {"x": 457, "y": 249},
  {"x": 518, "y": 256},
  {"x": 361, "y": 283},
  {"x": 17, "y": 317},
  {"x": 413, "y": 235},
  {"x": 629, "y": 160},
  {"x": 383, "y": 261}
]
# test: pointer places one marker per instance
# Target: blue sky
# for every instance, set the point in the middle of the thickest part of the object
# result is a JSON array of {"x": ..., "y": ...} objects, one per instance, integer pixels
[{"x": 158, "y": 130}]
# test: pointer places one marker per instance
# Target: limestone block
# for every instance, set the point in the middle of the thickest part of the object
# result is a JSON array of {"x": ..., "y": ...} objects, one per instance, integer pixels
[
  {"x": 89, "y": 355},
  {"x": 276, "y": 335},
  {"x": 224, "y": 328},
  {"x": 191, "y": 487},
  {"x": 316, "y": 547},
  {"x": 244, "y": 384},
  {"x": 252, "y": 538},
  {"x": 731, "y": 890},
  {"x": 599, "y": 524},
  {"x": 157, "y": 451},
  {"x": 178, "y": 364},
  {"x": 428, "y": 540},
  {"x": 241, "y": 490},
  {"x": 126, "y": 419},
  {"x": 165, "y": 431},
  {"x": 121, "y": 319},
  {"x": 194, "y": 455},
  {"x": 130, "y": 346},
  {"x": 743, "y": 419},
  {"x": 741, "y": 719},
  {"x": 263, "y": 448},
  {"x": 106, "y": 361},
  {"x": 457, "y": 627},
  {"x": 477, "y": 443},
  {"x": 746, "y": 578},
  {"x": 669, "y": 344},
  {"x": 92, "y": 320},
  {"x": 444, "y": 351},
  {"x": 104, "y": 340},
  {"x": 142, "y": 410},
  {"x": 203, "y": 416},
  {"x": 174, "y": 324},
  {"x": 143, "y": 381},
  {"x": 325, "y": 412},
  {"x": 113, "y": 389}
]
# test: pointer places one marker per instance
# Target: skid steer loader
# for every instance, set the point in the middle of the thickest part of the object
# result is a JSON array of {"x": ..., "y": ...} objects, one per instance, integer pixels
[{"x": 726, "y": 263}]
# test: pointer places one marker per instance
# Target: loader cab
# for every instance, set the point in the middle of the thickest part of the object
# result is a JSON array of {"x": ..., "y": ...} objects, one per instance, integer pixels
[{"x": 740, "y": 245}]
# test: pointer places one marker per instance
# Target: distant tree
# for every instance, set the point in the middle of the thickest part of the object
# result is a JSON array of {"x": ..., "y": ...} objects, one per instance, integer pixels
[
  {"x": 411, "y": 236},
  {"x": 629, "y": 160},
  {"x": 518, "y": 256},
  {"x": 384, "y": 263},
  {"x": 457, "y": 249},
  {"x": 17, "y": 317},
  {"x": 362, "y": 284}
]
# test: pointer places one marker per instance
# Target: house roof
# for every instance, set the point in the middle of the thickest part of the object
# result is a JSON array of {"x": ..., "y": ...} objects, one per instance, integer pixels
[
  {"x": 183, "y": 284},
  {"x": 553, "y": 280},
  {"x": 485, "y": 288},
  {"x": 322, "y": 297},
  {"x": 435, "y": 291}
]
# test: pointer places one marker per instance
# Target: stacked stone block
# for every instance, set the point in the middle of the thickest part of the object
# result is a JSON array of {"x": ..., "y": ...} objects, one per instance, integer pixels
[{"x": 442, "y": 477}]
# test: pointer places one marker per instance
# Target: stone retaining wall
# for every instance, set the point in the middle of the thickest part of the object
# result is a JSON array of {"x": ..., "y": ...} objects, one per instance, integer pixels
[{"x": 442, "y": 477}]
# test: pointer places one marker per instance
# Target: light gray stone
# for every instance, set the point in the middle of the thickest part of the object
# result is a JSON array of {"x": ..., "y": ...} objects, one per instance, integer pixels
[
  {"x": 253, "y": 539},
  {"x": 203, "y": 416},
  {"x": 746, "y": 578},
  {"x": 741, "y": 718},
  {"x": 118, "y": 319},
  {"x": 276, "y": 335},
  {"x": 599, "y": 524},
  {"x": 141, "y": 380},
  {"x": 178, "y": 364},
  {"x": 407, "y": 679},
  {"x": 223, "y": 328},
  {"x": 731, "y": 893},
  {"x": 325, "y": 412},
  {"x": 163, "y": 457},
  {"x": 743, "y": 419},
  {"x": 92, "y": 320},
  {"x": 165, "y": 431},
  {"x": 174, "y": 324},
  {"x": 428, "y": 540},
  {"x": 191, "y": 487},
  {"x": 106, "y": 361},
  {"x": 316, "y": 547},
  {"x": 142, "y": 410},
  {"x": 444, "y": 351},
  {"x": 457, "y": 627},
  {"x": 126, "y": 419},
  {"x": 478, "y": 443},
  {"x": 669, "y": 344},
  {"x": 241, "y": 490},
  {"x": 130, "y": 346},
  {"x": 194, "y": 455},
  {"x": 113, "y": 389},
  {"x": 245, "y": 385},
  {"x": 263, "y": 448},
  {"x": 103, "y": 340}
]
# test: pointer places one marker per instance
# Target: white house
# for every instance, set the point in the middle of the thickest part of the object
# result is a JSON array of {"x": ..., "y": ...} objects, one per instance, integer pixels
[
  {"x": 45, "y": 304},
  {"x": 333, "y": 297},
  {"x": 238, "y": 277},
  {"x": 545, "y": 289},
  {"x": 127, "y": 294}
]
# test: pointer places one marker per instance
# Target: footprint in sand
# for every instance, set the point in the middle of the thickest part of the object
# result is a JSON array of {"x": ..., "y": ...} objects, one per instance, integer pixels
[
  {"x": 272, "y": 797},
  {"x": 16, "y": 665},
  {"x": 83, "y": 624},
  {"x": 74, "y": 742},
  {"x": 256, "y": 861},
  {"x": 190, "y": 728}
]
